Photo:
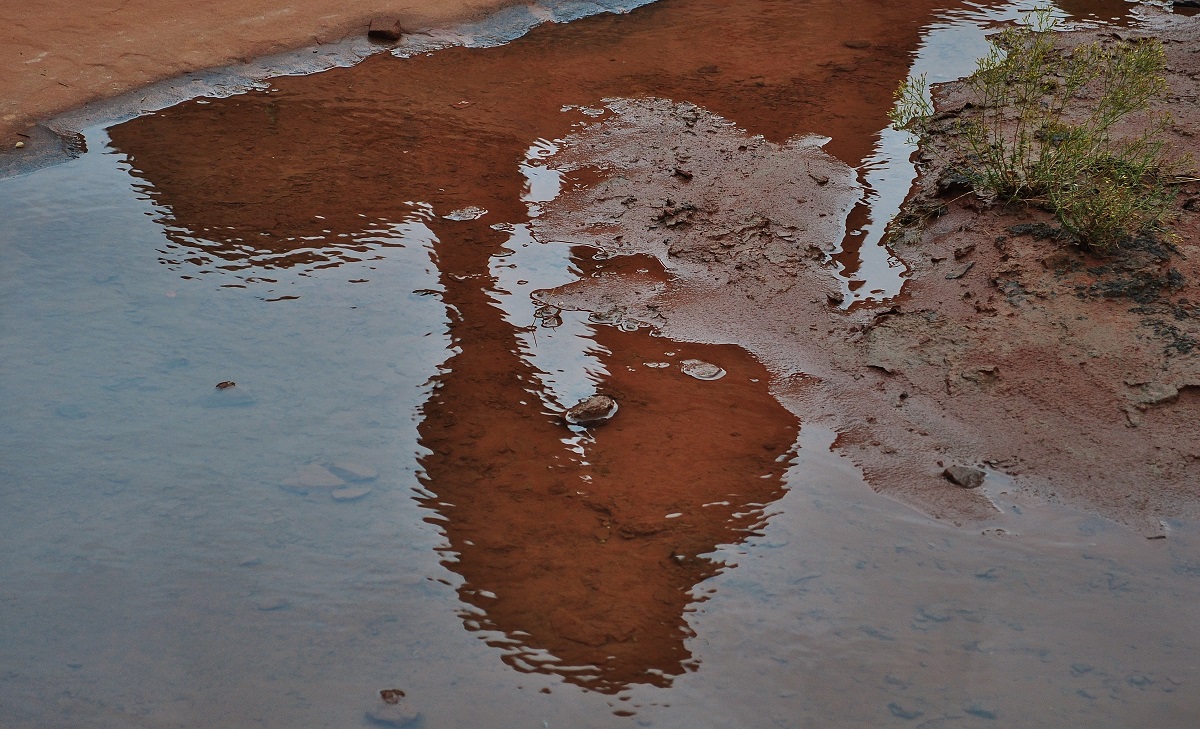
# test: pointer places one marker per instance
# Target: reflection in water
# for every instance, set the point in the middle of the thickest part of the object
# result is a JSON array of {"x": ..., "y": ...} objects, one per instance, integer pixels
[
  {"x": 159, "y": 577},
  {"x": 293, "y": 176},
  {"x": 581, "y": 552},
  {"x": 585, "y": 563}
]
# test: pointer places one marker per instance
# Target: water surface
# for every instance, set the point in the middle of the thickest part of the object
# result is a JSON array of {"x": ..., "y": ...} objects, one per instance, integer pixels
[{"x": 388, "y": 497}]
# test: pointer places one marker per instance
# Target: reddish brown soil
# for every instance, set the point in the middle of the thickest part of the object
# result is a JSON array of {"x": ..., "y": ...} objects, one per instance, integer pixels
[{"x": 56, "y": 54}]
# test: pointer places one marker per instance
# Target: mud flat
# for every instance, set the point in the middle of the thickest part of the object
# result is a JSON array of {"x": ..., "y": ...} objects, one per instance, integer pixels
[{"x": 1009, "y": 351}]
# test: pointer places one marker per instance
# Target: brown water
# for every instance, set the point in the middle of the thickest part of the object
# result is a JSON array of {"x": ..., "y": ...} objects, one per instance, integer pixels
[{"x": 352, "y": 248}]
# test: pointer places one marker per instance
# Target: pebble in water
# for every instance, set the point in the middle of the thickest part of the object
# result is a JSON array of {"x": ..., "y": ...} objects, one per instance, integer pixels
[
  {"x": 592, "y": 410},
  {"x": 657, "y": 365},
  {"x": 701, "y": 370},
  {"x": 471, "y": 212}
]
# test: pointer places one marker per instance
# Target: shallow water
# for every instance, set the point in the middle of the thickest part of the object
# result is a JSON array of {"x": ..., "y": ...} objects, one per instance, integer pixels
[{"x": 186, "y": 556}]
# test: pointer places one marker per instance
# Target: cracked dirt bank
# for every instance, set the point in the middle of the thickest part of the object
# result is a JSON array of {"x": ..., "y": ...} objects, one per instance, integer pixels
[{"x": 56, "y": 55}]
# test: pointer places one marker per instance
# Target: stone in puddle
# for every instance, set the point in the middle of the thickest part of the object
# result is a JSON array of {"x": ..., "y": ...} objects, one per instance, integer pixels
[
  {"x": 968, "y": 478},
  {"x": 393, "y": 710},
  {"x": 313, "y": 476},
  {"x": 592, "y": 410},
  {"x": 354, "y": 471},
  {"x": 350, "y": 494},
  {"x": 701, "y": 370}
]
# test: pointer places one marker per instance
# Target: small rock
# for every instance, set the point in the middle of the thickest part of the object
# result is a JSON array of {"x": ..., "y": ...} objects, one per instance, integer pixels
[
  {"x": 385, "y": 29},
  {"x": 351, "y": 494},
  {"x": 471, "y": 212},
  {"x": 592, "y": 410},
  {"x": 819, "y": 178},
  {"x": 968, "y": 478},
  {"x": 19, "y": 145},
  {"x": 1158, "y": 393},
  {"x": 226, "y": 385},
  {"x": 701, "y": 370},
  {"x": 393, "y": 711},
  {"x": 835, "y": 298},
  {"x": 960, "y": 271}
]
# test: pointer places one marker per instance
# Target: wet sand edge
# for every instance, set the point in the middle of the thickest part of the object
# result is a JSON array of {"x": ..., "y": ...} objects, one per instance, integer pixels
[{"x": 139, "y": 69}]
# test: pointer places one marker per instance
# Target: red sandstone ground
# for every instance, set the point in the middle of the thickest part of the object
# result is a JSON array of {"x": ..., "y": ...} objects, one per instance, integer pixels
[{"x": 58, "y": 54}]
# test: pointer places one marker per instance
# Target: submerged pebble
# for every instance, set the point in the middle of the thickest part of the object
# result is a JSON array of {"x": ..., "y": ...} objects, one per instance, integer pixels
[
  {"x": 592, "y": 410},
  {"x": 701, "y": 370},
  {"x": 349, "y": 494},
  {"x": 353, "y": 471},
  {"x": 312, "y": 476}
]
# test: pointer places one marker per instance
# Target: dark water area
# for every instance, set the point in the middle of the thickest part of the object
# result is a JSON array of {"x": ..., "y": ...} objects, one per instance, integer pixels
[{"x": 388, "y": 498}]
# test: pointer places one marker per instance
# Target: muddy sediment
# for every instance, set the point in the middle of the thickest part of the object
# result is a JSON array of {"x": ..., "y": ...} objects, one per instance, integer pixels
[{"x": 1010, "y": 349}]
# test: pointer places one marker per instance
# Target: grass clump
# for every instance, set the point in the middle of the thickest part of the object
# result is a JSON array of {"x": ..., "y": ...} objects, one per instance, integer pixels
[{"x": 1039, "y": 128}]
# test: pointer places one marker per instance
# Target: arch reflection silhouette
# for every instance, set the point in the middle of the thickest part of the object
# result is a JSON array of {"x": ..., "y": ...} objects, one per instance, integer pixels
[
  {"x": 587, "y": 562},
  {"x": 575, "y": 557}
]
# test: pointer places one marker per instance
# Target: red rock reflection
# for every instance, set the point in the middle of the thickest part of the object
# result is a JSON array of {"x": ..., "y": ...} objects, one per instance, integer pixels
[
  {"x": 299, "y": 176},
  {"x": 588, "y": 564},
  {"x": 587, "y": 569}
]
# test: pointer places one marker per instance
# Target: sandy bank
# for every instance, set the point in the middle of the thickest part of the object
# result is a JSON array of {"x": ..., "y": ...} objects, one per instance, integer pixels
[{"x": 56, "y": 55}]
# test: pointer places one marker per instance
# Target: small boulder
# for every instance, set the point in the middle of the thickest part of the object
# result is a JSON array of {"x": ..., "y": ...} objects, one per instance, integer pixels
[
  {"x": 968, "y": 478},
  {"x": 701, "y": 370},
  {"x": 593, "y": 410}
]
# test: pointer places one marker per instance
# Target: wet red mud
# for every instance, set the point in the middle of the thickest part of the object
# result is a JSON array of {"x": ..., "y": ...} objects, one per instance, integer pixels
[{"x": 586, "y": 575}]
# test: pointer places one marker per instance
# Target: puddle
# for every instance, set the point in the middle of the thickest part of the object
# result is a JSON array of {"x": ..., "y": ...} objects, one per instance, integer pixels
[{"x": 388, "y": 497}]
